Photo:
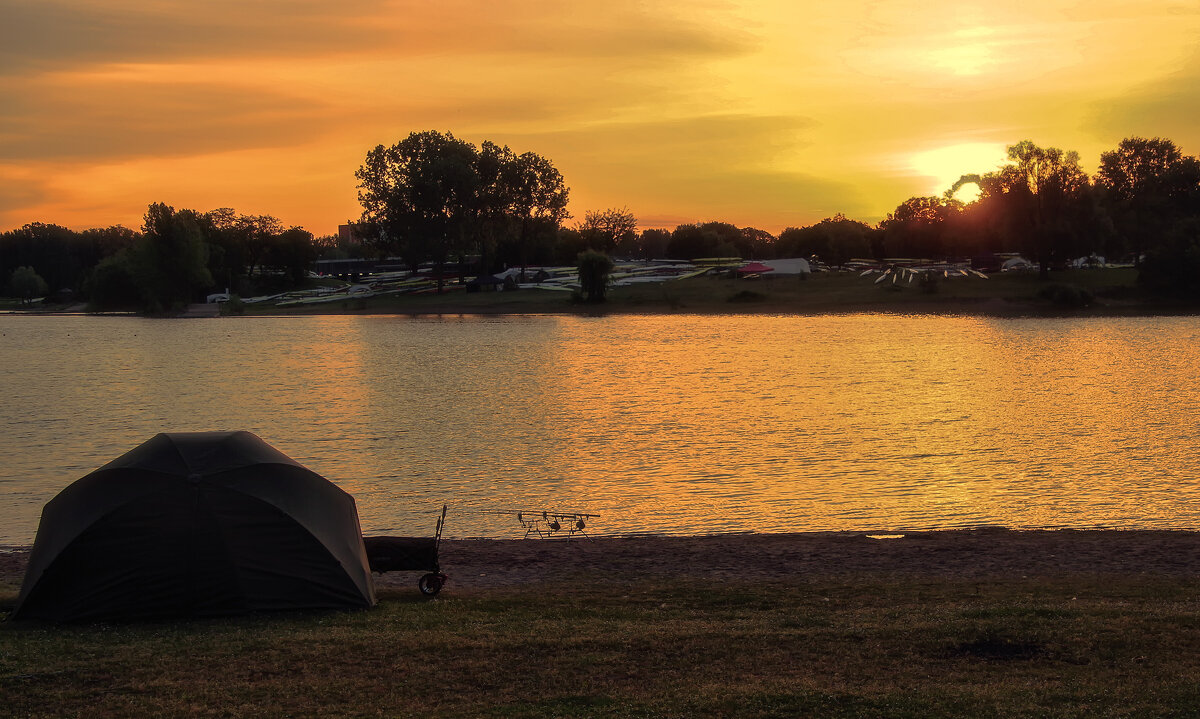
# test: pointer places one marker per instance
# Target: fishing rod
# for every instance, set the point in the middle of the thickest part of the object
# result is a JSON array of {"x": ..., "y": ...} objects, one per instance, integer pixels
[
  {"x": 552, "y": 513},
  {"x": 543, "y": 522}
]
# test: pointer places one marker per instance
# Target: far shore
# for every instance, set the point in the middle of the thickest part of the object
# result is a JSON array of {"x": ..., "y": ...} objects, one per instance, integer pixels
[
  {"x": 1074, "y": 293},
  {"x": 1111, "y": 292}
]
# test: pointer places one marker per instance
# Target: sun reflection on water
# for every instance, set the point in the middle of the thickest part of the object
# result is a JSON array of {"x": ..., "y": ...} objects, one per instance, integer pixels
[{"x": 674, "y": 424}]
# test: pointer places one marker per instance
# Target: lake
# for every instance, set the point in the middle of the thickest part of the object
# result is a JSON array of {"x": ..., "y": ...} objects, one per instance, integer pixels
[{"x": 680, "y": 424}]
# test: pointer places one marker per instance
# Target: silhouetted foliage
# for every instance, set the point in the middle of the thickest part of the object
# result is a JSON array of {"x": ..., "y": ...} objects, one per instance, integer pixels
[
  {"x": 60, "y": 256},
  {"x": 568, "y": 243},
  {"x": 534, "y": 195},
  {"x": 689, "y": 242},
  {"x": 1149, "y": 185},
  {"x": 611, "y": 230},
  {"x": 432, "y": 196},
  {"x": 653, "y": 243},
  {"x": 26, "y": 284},
  {"x": 719, "y": 239},
  {"x": 170, "y": 262},
  {"x": 1042, "y": 198},
  {"x": 292, "y": 253},
  {"x": 921, "y": 227},
  {"x": 1069, "y": 296},
  {"x": 594, "y": 268},
  {"x": 1172, "y": 268},
  {"x": 421, "y": 194},
  {"x": 112, "y": 286},
  {"x": 834, "y": 241},
  {"x": 754, "y": 243}
]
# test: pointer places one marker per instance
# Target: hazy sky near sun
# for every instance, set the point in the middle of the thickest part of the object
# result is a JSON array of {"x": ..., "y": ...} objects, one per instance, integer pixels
[{"x": 770, "y": 114}]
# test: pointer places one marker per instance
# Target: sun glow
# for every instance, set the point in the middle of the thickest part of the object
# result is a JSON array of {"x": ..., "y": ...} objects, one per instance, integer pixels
[{"x": 945, "y": 165}]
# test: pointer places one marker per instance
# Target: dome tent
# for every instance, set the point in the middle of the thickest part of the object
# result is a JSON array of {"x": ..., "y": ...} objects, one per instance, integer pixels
[{"x": 191, "y": 525}]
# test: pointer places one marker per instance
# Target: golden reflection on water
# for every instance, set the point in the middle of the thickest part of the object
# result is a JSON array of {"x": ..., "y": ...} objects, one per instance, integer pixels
[
  {"x": 677, "y": 424},
  {"x": 791, "y": 422}
]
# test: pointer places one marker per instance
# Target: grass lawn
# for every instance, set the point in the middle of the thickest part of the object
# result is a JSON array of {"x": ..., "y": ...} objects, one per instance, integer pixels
[
  {"x": 1001, "y": 294},
  {"x": 1058, "y": 647}
]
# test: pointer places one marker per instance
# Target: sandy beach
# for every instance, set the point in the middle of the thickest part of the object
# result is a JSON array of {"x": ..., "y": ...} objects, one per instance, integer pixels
[{"x": 945, "y": 555}]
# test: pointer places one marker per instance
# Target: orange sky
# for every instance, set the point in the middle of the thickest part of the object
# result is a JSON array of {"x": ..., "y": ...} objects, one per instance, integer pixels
[{"x": 769, "y": 113}]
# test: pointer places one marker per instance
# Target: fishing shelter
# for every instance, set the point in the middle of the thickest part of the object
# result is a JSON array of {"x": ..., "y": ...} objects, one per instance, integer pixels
[{"x": 192, "y": 525}]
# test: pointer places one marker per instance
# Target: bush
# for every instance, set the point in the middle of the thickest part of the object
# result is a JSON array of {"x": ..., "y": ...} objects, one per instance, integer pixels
[
  {"x": 1066, "y": 296},
  {"x": 1173, "y": 270},
  {"x": 594, "y": 268},
  {"x": 111, "y": 285},
  {"x": 233, "y": 306},
  {"x": 27, "y": 284},
  {"x": 928, "y": 282},
  {"x": 748, "y": 296}
]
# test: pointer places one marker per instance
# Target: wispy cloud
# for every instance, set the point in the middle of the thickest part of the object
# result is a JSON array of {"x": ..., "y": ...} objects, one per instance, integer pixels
[
  {"x": 1167, "y": 107},
  {"x": 767, "y": 114}
]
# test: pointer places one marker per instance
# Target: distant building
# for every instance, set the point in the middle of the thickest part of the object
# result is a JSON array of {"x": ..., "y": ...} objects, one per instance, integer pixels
[{"x": 349, "y": 235}]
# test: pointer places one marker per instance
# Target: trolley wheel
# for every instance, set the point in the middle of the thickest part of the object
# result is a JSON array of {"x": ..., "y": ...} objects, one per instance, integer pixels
[{"x": 431, "y": 584}]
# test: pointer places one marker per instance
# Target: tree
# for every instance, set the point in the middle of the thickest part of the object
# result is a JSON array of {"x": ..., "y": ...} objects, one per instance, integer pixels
[
  {"x": 833, "y": 240},
  {"x": 106, "y": 242},
  {"x": 1172, "y": 268},
  {"x": 293, "y": 252},
  {"x": 919, "y": 227},
  {"x": 60, "y": 255},
  {"x": 726, "y": 240},
  {"x": 170, "y": 262},
  {"x": 609, "y": 230},
  {"x": 492, "y": 220},
  {"x": 27, "y": 284},
  {"x": 689, "y": 242},
  {"x": 568, "y": 243},
  {"x": 756, "y": 243},
  {"x": 112, "y": 286},
  {"x": 594, "y": 268},
  {"x": 421, "y": 194},
  {"x": 1041, "y": 198},
  {"x": 256, "y": 234},
  {"x": 538, "y": 197},
  {"x": 653, "y": 243},
  {"x": 1149, "y": 186}
]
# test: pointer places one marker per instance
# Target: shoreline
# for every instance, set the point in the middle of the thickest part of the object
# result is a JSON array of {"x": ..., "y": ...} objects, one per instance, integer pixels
[
  {"x": 999, "y": 309},
  {"x": 1110, "y": 292},
  {"x": 956, "y": 555}
]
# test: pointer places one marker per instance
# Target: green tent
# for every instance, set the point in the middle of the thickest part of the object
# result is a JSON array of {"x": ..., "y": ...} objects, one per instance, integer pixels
[{"x": 192, "y": 525}]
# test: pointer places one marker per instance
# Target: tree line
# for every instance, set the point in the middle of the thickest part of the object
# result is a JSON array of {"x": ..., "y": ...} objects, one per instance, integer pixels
[
  {"x": 1142, "y": 206},
  {"x": 176, "y": 257},
  {"x": 433, "y": 200}
]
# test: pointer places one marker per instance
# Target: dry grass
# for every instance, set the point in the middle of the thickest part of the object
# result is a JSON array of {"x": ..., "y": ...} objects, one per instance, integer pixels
[{"x": 1067, "y": 647}]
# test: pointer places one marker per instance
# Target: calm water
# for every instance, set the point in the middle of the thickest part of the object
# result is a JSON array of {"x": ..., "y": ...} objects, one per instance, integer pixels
[{"x": 679, "y": 424}]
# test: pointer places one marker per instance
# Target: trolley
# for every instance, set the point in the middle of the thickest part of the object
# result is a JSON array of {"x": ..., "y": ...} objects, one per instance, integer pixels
[{"x": 410, "y": 554}]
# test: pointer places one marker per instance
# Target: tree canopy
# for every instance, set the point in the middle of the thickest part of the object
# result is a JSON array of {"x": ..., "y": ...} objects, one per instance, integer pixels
[
  {"x": 611, "y": 230},
  {"x": 431, "y": 197}
]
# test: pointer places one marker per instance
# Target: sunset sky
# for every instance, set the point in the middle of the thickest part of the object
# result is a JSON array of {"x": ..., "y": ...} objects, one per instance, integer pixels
[{"x": 769, "y": 114}]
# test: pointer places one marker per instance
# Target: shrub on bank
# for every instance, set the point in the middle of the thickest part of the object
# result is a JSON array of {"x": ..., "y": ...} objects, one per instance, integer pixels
[{"x": 1066, "y": 296}]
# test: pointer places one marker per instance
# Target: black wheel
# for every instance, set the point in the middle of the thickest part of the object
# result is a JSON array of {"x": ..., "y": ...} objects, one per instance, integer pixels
[{"x": 431, "y": 584}]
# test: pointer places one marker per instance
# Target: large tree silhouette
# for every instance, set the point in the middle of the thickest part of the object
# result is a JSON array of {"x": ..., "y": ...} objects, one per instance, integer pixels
[
  {"x": 1040, "y": 201},
  {"x": 1150, "y": 186},
  {"x": 419, "y": 195}
]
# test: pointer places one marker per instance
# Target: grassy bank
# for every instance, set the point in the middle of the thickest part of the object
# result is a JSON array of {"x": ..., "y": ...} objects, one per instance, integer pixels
[
  {"x": 879, "y": 647},
  {"x": 1112, "y": 291}
]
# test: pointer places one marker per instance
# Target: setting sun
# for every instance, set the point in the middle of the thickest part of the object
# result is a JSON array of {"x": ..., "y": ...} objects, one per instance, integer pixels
[{"x": 945, "y": 165}]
